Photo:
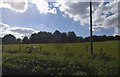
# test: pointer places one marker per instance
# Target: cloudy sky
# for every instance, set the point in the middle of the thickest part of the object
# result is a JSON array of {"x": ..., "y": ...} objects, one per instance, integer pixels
[{"x": 24, "y": 17}]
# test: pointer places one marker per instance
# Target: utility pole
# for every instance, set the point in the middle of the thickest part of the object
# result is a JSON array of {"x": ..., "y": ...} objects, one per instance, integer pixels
[{"x": 91, "y": 41}]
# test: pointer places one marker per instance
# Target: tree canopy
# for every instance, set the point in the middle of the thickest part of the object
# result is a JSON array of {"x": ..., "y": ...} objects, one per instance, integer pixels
[
  {"x": 9, "y": 39},
  {"x": 55, "y": 37}
]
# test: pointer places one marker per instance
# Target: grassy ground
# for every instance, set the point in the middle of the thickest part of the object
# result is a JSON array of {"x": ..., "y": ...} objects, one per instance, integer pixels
[{"x": 59, "y": 59}]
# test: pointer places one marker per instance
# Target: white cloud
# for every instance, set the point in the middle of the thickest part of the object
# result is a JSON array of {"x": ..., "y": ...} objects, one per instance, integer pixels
[
  {"x": 104, "y": 15},
  {"x": 77, "y": 10},
  {"x": 22, "y": 5},
  {"x": 117, "y": 31},
  {"x": 15, "y": 5},
  {"x": 16, "y": 31},
  {"x": 44, "y": 7}
]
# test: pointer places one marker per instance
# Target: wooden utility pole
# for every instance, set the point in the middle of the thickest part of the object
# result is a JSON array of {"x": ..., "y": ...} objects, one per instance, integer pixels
[{"x": 91, "y": 42}]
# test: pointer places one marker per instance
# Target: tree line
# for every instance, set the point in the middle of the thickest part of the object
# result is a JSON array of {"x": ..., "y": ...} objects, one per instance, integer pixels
[{"x": 55, "y": 37}]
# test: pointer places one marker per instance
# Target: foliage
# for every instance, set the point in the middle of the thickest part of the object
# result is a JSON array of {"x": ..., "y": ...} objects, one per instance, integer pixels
[
  {"x": 9, "y": 39},
  {"x": 55, "y": 37}
]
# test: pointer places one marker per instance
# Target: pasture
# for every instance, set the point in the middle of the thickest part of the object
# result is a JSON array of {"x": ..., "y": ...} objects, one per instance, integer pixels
[{"x": 61, "y": 59}]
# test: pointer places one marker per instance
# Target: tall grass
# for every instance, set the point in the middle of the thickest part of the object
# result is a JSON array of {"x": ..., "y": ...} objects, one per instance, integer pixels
[{"x": 59, "y": 59}]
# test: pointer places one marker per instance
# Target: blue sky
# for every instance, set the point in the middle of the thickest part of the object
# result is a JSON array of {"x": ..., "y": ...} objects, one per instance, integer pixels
[{"x": 33, "y": 19}]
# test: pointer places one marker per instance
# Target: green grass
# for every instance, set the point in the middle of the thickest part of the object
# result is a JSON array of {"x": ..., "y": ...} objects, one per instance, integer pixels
[{"x": 75, "y": 61}]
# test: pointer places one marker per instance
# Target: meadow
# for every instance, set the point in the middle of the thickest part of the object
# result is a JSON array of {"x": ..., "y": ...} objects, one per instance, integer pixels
[{"x": 61, "y": 59}]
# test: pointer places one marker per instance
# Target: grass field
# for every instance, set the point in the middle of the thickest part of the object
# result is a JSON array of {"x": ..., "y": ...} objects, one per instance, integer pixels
[{"x": 60, "y": 59}]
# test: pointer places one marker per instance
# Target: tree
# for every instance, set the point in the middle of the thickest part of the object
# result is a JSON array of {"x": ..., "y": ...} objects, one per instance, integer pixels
[
  {"x": 111, "y": 38},
  {"x": 95, "y": 38},
  {"x": 117, "y": 37},
  {"x": 19, "y": 41},
  {"x": 43, "y": 37},
  {"x": 86, "y": 39},
  {"x": 71, "y": 37},
  {"x": 56, "y": 36},
  {"x": 79, "y": 39},
  {"x": 104, "y": 37},
  {"x": 63, "y": 38},
  {"x": 34, "y": 38},
  {"x": 9, "y": 39},
  {"x": 25, "y": 40},
  {"x": 49, "y": 37}
]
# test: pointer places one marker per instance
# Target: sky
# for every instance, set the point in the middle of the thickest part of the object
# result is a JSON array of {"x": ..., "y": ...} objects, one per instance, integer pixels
[{"x": 24, "y": 17}]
